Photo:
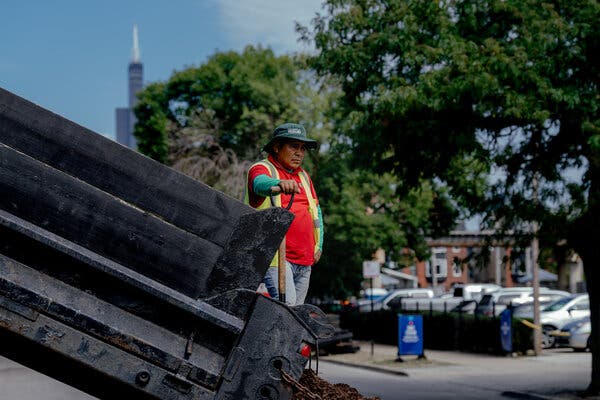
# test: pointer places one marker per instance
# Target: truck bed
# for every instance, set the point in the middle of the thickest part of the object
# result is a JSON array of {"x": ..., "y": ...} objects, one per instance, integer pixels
[{"x": 125, "y": 278}]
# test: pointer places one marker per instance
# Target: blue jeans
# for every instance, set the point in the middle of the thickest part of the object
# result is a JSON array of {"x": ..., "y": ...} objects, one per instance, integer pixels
[{"x": 297, "y": 279}]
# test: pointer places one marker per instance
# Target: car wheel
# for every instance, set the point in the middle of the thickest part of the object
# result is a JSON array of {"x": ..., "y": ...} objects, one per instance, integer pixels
[
  {"x": 589, "y": 343},
  {"x": 582, "y": 349},
  {"x": 548, "y": 341}
]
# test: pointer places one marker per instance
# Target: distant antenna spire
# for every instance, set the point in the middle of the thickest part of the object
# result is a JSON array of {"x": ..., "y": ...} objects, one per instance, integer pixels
[{"x": 135, "y": 54}]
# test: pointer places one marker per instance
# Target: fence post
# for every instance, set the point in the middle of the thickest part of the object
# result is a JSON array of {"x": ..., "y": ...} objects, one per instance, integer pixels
[{"x": 460, "y": 327}]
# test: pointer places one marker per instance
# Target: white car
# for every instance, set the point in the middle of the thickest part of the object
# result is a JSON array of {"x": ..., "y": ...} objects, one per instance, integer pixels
[
  {"x": 474, "y": 291},
  {"x": 498, "y": 301},
  {"x": 393, "y": 299},
  {"x": 546, "y": 295},
  {"x": 580, "y": 336},
  {"x": 575, "y": 334},
  {"x": 555, "y": 316},
  {"x": 523, "y": 294}
]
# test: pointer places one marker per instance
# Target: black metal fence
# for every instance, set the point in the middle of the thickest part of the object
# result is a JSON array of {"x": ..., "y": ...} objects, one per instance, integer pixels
[{"x": 443, "y": 328}]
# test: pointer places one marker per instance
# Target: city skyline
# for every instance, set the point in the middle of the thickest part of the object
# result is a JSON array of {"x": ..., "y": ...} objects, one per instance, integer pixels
[
  {"x": 124, "y": 116},
  {"x": 71, "y": 57}
]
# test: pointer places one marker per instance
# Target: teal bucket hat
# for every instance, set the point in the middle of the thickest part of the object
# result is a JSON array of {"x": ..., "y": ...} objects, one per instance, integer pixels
[{"x": 292, "y": 132}]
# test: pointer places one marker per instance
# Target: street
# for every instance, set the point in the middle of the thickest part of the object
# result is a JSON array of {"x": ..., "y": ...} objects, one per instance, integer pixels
[
  {"x": 446, "y": 375},
  {"x": 21, "y": 383},
  {"x": 452, "y": 375}
]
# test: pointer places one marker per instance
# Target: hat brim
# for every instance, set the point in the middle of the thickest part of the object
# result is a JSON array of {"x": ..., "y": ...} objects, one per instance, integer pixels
[{"x": 310, "y": 143}]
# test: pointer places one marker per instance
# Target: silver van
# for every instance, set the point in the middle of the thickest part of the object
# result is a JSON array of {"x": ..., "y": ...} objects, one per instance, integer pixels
[
  {"x": 393, "y": 299},
  {"x": 474, "y": 291}
]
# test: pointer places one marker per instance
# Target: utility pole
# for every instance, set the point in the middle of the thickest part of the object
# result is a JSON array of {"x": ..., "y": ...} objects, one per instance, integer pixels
[{"x": 535, "y": 250}]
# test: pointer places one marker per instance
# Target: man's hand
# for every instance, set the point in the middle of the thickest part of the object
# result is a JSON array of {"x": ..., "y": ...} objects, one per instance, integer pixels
[{"x": 288, "y": 186}]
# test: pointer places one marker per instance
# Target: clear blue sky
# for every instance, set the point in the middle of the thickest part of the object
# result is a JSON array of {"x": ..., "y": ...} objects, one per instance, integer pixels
[{"x": 71, "y": 56}]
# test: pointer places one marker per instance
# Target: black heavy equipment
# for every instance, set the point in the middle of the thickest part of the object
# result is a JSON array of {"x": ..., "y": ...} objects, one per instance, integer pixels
[{"x": 126, "y": 279}]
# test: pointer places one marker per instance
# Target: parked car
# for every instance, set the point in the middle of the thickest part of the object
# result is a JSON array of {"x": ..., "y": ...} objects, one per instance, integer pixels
[
  {"x": 525, "y": 310},
  {"x": 474, "y": 291},
  {"x": 465, "y": 307},
  {"x": 374, "y": 293},
  {"x": 496, "y": 302},
  {"x": 575, "y": 334},
  {"x": 556, "y": 315},
  {"x": 463, "y": 295},
  {"x": 546, "y": 296},
  {"x": 394, "y": 299},
  {"x": 505, "y": 295},
  {"x": 486, "y": 306}
]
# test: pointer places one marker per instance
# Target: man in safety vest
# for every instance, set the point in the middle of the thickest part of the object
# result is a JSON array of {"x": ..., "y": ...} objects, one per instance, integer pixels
[{"x": 271, "y": 183}]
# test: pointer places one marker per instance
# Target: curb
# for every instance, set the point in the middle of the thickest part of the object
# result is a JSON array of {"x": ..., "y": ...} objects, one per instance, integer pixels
[
  {"x": 367, "y": 366},
  {"x": 524, "y": 396}
]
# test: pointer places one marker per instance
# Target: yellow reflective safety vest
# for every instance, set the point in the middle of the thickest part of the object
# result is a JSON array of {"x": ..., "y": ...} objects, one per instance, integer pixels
[{"x": 275, "y": 201}]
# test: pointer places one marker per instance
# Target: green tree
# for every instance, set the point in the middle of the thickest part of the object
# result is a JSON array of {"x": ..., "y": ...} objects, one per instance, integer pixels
[
  {"x": 211, "y": 121},
  {"x": 509, "y": 84},
  {"x": 363, "y": 212},
  {"x": 191, "y": 123},
  {"x": 246, "y": 94}
]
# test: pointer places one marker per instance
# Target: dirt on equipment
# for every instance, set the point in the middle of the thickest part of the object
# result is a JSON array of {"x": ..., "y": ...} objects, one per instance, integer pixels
[{"x": 319, "y": 389}]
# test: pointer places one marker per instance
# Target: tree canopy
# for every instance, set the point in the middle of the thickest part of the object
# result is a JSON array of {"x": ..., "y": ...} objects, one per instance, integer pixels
[
  {"x": 430, "y": 85},
  {"x": 247, "y": 94},
  {"x": 211, "y": 121},
  {"x": 363, "y": 213},
  {"x": 507, "y": 86},
  {"x": 192, "y": 123}
]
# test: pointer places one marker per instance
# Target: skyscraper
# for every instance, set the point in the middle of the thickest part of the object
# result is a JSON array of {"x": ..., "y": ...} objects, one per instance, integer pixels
[{"x": 124, "y": 115}]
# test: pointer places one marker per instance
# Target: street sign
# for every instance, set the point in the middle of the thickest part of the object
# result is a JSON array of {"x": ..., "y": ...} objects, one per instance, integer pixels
[
  {"x": 410, "y": 335},
  {"x": 371, "y": 269},
  {"x": 506, "y": 330}
]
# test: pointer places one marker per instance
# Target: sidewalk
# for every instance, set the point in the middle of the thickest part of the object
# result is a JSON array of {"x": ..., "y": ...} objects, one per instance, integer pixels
[
  {"x": 383, "y": 357},
  {"x": 557, "y": 374}
]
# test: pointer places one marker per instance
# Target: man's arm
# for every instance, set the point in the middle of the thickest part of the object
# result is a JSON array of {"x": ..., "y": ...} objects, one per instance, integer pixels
[{"x": 263, "y": 185}]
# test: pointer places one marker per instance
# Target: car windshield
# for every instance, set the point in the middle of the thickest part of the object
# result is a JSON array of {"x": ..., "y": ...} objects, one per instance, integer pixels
[
  {"x": 551, "y": 297},
  {"x": 420, "y": 295},
  {"x": 507, "y": 298},
  {"x": 393, "y": 295},
  {"x": 557, "y": 305},
  {"x": 523, "y": 311},
  {"x": 465, "y": 305}
]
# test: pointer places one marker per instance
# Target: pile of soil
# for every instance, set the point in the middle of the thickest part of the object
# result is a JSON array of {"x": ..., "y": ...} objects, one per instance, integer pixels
[{"x": 325, "y": 390}]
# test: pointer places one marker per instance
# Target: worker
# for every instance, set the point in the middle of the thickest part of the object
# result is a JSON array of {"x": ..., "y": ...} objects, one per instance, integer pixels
[{"x": 271, "y": 183}]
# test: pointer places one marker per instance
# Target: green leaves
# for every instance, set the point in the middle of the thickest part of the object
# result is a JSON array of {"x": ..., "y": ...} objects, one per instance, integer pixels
[
  {"x": 249, "y": 93},
  {"x": 429, "y": 85},
  {"x": 151, "y": 128},
  {"x": 434, "y": 97}
]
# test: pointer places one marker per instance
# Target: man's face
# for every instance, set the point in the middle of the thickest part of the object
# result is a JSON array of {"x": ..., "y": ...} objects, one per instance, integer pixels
[{"x": 290, "y": 154}]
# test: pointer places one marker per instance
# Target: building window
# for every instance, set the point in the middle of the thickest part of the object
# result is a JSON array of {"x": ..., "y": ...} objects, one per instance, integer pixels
[
  {"x": 439, "y": 262},
  {"x": 456, "y": 268}
]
